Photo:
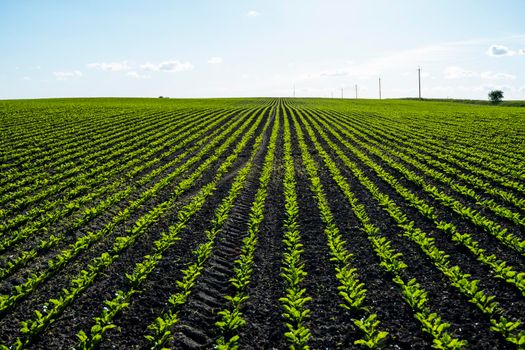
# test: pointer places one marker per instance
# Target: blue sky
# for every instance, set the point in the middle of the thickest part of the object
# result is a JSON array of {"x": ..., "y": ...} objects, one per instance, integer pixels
[{"x": 226, "y": 48}]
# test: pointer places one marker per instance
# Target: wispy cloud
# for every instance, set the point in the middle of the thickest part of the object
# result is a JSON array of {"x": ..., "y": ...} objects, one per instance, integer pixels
[
  {"x": 397, "y": 61},
  {"x": 252, "y": 13},
  {"x": 492, "y": 75},
  {"x": 136, "y": 75},
  {"x": 67, "y": 75},
  {"x": 26, "y": 78},
  {"x": 110, "y": 66},
  {"x": 455, "y": 72},
  {"x": 170, "y": 66},
  {"x": 427, "y": 56},
  {"x": 215, "y": 60}
]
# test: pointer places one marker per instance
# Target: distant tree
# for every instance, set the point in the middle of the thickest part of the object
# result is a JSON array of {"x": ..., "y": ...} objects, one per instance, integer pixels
[
  {"x": 161, "y": 96},
  {"x": 495, "y": 96}
]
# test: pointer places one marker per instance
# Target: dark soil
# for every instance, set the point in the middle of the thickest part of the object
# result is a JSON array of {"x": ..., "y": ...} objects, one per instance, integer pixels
[{"x": 331, "y": 325}]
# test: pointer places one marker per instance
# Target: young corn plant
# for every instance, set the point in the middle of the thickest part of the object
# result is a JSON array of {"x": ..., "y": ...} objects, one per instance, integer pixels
[
  {"x": 161, "y": 329},
  {"x": 231, "y": 317},
  {"x": 124, "y": 242},
  {"x": 292, "y": 268},
  {"x": 390, "y": 260},
  {"x": 350, "y": 289}
]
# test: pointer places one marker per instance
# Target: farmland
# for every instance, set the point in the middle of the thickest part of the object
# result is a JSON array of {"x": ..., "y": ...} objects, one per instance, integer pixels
[{"x": 261, "y": 223}]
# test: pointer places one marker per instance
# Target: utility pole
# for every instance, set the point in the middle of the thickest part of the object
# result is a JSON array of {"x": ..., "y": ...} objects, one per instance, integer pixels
[
  {"x": 419, "y": 80},
  {"x": 356, "y": 91},
  {"x": 342, "y": 93},
  {"x": 293, "y": 90},
  {"x": 379, "y": 88},
  {"x": 332, "y": 93}
]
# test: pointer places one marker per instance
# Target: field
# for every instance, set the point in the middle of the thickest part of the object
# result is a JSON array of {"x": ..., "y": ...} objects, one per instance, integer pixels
[{"x": 261, "y": 223}]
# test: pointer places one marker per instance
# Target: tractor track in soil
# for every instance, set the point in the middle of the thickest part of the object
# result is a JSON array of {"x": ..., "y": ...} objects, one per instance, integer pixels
[{"x": 198, "y": 315}]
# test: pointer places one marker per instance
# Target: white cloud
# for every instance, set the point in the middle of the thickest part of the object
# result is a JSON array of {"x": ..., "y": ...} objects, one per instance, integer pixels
[
  {"x": 500, "y": 50},
  {"x": 170, "y": 66},
  {"x": 491, "y": 75},
  {"x": 136, "y": 75},
  {"x": 215, "y": 60},
  {"x": 67, "y": 75},
  {"x": 110, "y": 66},
  {"x": 149, "y": 66},
  {"x": 521, "y": 52},
  {"x": 252, "y": 13},
  {"x": 454, "y": 72}
]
